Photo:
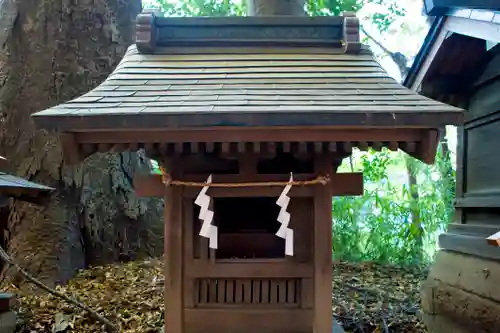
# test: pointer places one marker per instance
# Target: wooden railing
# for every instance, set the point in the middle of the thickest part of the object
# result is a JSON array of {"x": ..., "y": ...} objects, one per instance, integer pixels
[{"x": 245, "y": 291}]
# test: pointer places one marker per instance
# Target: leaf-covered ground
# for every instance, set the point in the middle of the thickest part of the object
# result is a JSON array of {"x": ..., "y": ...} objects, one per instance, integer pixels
[{"x": 367, "y": 298}]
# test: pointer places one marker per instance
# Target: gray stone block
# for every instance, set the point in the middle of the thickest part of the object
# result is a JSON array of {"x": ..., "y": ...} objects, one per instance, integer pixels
[{"x": 8, "y": 322}]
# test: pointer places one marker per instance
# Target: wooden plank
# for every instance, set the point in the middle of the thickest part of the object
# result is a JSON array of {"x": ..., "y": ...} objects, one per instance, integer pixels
[
  {"x": 190, "y": 84},
  {"x": 273, "y": 291},
  {"x": 253, "y": 135},
  {"x": 492, "y": 200},
  {"x": 428, "y": 147},
  {"x": 212, "y": 291},
  {"x": 256, "y": 293},
  {"x": 251, "y": 320},
  {"x": 300, "y": 68},
  {"x": 341, "y": 184},
  {"x": 230, "y": 291},
  {"x": 238, "y": 291},
  {"x": 221, "y": 291},
  {"x": 322, "y": 287},
  {"x": 247, "y": 290},
  {"x": 173, "y": 261},
  {"x": 265, "y": 291},
  {"x": 252, "y": 56},
  {"x": 188, "y": 224},
  {"x": 468, "y": 244},
  {"x": 247, "y": 268},
  {"x": 291, "y": 291},
  {"x": 306, "y": 293},
  {"x": 249, "y": 76},
  {"x": 281, "y": 285},
  {"x": 342, "y": 90}
]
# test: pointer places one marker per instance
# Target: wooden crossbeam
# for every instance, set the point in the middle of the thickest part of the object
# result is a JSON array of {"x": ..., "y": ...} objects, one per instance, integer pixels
[
  {"x": 494, "y": 239},
  {"x": 342, "y": 184}
]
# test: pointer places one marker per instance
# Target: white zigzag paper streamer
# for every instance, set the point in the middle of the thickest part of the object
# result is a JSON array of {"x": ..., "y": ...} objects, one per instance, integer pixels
[
  {"x": 284, "y": 218},
  {"x": 206, "y": 215}
]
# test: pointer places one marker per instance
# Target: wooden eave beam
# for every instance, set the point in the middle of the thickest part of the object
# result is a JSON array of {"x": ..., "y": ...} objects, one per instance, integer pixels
[
  {"x": 419, "y": 143},
  {"x": 254, "y": 134},
  {"x": 342, "y": 184}
]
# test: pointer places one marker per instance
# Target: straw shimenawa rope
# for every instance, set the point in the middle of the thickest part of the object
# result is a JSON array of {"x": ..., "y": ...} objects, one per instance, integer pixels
[{"x": 167, "y": 180}]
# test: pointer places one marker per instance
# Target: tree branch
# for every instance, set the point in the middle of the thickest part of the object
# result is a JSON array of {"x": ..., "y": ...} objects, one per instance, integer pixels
[
  {"x": 110, "y": 326},
  {"x": 399, "y": 58}
]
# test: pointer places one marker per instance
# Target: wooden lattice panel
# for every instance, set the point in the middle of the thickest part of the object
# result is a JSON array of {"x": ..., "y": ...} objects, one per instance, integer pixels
[{"x": 247, "y": 291}]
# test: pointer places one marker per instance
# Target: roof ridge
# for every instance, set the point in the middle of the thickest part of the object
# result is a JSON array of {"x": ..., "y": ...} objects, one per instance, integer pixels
[{"x": 154, "y": 31}]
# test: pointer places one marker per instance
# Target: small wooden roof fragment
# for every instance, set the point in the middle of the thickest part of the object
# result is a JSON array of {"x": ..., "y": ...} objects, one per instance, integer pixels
[
  {"x": 246, "y": 72},
  {"x": 21, "y": 189}
]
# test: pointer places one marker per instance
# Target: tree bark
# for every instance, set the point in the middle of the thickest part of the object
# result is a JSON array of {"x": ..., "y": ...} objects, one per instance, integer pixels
[
  {"x": 51, "y": 52},
  {"x": 276, "y": 7}
]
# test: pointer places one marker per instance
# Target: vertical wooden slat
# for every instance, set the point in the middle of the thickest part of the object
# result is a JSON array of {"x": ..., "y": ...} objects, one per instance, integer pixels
[
  {"x": 332, "y": 147},
  {"x": 322, "y": 309},
  {"x": 257, "y": 291},
  {"x": 197, "y": 292},
  {"x": 189, "y": 286},
  {"x": 264, "y": 291},
  {"x": 429, "y": 145},
  {"x": 173, "y": 260},
  {"x": 203, "y": 290},
  {"x": 291, "y": 296},
  {"x": 238, "y": 291},
  {"x": 212, "y": 291},
  {"x": 282, "y": 292},
  {"x": 287, "y": 147},
  {"x": 221, "y": 291},
  {"x": 195, "y": 238},
  {"x": 273, "y": 289},
  {"x": 203, "y": 244},
  {"x": 247, "y": 291},
  {"x": 301, "y": 212},
  {"x": 229, "y": 291}
]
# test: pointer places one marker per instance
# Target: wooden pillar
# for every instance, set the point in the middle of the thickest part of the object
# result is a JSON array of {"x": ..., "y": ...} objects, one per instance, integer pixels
[
  {"x": 174, "y": 307},
  {"x": 322, "y": 304}
]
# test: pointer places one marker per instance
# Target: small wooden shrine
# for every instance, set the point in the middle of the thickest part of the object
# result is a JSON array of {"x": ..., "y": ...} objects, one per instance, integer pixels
[{"x": 250, "y": 118}]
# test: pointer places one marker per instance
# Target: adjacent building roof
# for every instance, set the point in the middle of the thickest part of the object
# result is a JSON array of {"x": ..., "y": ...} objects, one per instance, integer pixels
[
  {"x": 21, "y": 189},
  {"x": 206, "y": 72},
  {"x": 444, "y": 7}
]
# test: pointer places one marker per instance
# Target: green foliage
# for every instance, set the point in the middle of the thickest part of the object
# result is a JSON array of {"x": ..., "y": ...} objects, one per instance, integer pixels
[
  {"x": 203, "y": 7},
  {"x": 378, "y": 225}
]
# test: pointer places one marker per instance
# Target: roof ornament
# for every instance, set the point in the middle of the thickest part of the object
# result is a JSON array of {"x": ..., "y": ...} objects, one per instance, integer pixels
[
  {"x": 146, "y": 31},
  {"x": 351, "y": 39}
]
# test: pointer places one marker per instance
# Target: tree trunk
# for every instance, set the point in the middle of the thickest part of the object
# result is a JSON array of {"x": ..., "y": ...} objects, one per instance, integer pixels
[
  {"x": 276, "y": 7},
  {"x": 53, "y": 51}
]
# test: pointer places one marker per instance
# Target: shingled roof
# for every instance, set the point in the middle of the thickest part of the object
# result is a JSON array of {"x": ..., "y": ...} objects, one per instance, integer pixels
[{"x": 247, "y": 72}]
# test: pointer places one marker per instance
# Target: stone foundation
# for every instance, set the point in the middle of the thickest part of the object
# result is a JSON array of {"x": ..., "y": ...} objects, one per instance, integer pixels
[{"x": 462, "y": 294}]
